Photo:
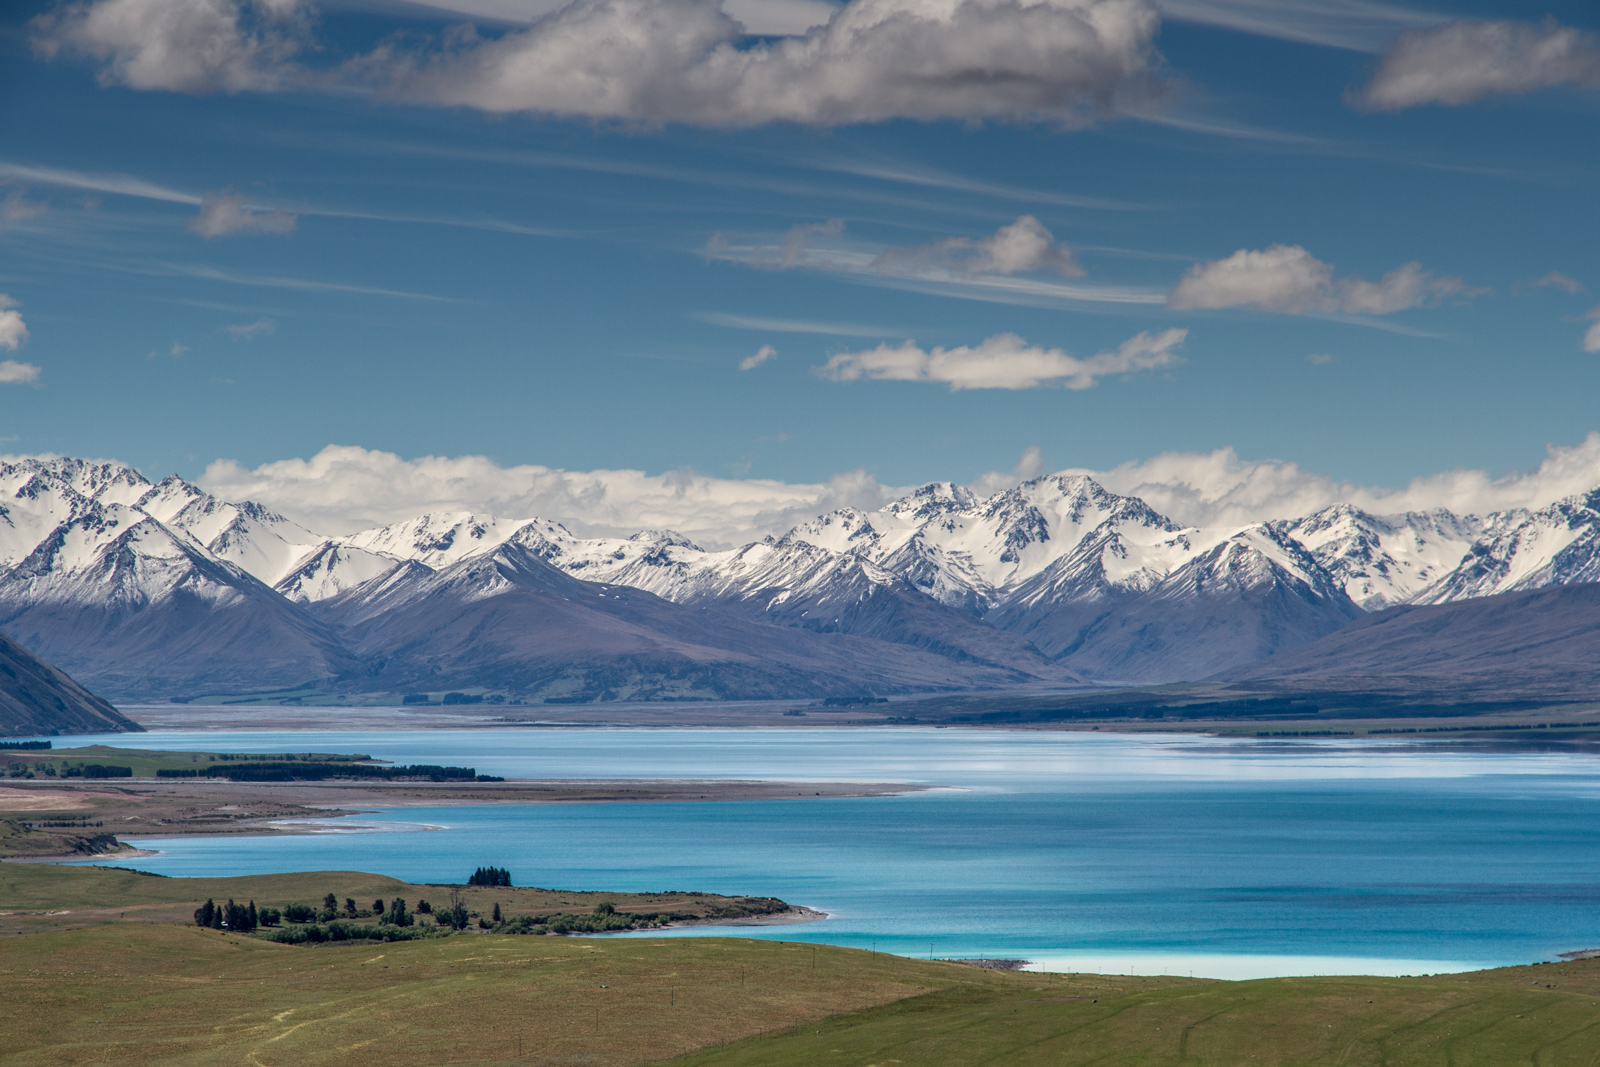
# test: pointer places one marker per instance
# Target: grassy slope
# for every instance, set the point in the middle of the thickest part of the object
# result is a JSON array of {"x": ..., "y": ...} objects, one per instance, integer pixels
[
  {"x": 1547, "y": 1015},
  {"x": 148, "y": 993}
]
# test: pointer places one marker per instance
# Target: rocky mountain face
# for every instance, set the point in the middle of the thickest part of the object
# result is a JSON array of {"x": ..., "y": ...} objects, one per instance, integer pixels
[{"x": 153, "y": 589}]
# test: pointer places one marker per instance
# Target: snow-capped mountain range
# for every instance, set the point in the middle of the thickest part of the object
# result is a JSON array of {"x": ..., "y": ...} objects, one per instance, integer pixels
[{"x": 141, "y": 587}]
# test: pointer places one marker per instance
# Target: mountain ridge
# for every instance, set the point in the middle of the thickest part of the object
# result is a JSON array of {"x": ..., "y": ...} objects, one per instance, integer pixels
[{"x": 1056, "y": 581}]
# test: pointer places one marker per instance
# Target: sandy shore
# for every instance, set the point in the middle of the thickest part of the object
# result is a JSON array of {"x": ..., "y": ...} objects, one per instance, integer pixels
[{"x": 166, "y": 807}]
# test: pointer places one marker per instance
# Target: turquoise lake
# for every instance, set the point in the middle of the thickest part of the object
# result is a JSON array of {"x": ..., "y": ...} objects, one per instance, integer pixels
[{"x": 1140, "y": 854}]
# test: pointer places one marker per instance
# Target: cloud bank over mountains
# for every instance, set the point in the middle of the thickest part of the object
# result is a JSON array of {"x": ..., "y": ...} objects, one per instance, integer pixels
[
  {"x": 658, "y": 61},
  {"x": 344, "y": 488}
]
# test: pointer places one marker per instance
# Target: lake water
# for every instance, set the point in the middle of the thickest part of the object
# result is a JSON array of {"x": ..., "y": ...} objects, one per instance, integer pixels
[{"x": 1142, "y": 854}]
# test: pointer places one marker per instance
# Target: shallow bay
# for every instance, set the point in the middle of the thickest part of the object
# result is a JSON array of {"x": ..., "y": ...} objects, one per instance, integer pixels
[{"x": 1079, "y": 851}]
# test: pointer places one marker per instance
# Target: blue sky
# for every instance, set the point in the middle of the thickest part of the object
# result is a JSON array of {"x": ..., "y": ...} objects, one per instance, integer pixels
[{"x": 362, "y": 227}]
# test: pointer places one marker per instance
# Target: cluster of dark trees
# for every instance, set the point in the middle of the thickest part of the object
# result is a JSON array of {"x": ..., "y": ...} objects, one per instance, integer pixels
[
  {"x": 25, "y": 746},
  {"x": 274, "y": 771},
  {"x": 231, "y": 916},
  {"x": 494, "y": 876}
]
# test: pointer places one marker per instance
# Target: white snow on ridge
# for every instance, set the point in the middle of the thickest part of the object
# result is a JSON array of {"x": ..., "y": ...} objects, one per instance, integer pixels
[{"x": 1051, "y": 540}]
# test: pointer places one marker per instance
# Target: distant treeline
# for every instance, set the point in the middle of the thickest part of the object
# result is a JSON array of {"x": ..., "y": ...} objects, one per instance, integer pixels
[
  {"x": 26, "y": 746},
  {"x": 262, "y": 771}
]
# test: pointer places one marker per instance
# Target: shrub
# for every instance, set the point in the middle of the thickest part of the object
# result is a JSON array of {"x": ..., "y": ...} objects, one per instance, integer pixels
[{"x": 298, "y": 913}]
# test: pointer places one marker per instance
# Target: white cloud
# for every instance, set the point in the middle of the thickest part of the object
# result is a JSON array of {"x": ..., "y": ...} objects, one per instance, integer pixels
[
  {"x": 1017, "y": 247},
  {"x": 1064, "y": 61},
  {"x": 1591, "y": 337},
  {"x": 1468, "y": 59},
  {"x": 1218, "y": 488},
  {"x": 13, "y": 331},
  {"x": 1317, "y": 359},
  {"x": 765, "y": 353},
  {"x": 1029, "y": 465},
  {"x": 189, "y": 46},
  {"x": 1288, "y": 279},
  {"x": 344, "y": 489},
  {"x": 17, "y": 208},
  {"x": 251, "y": 330},
  {"x": 1555, "y": 279},
  {"x": 1004, "y": 361},
  {"x": 14, "y": 373},
  {"x": 1069, "y": 61},
  {"x": 224, "y": 214}
]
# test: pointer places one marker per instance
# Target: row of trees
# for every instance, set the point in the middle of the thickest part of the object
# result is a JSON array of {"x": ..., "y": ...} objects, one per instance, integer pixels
[
  {"x": 492, "y": 876},
  {"x": 230, "y": 916}
]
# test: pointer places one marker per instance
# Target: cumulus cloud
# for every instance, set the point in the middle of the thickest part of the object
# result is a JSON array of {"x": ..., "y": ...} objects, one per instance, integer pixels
[
  {"x": 1029, "y": 465},
  {"x": 1220, "y": 489},
  {"x": 1069, "y": 61},
  {"x": 1288, "y": 279},
  {"x": 652, "y": 61},
  {"x": 1468, "y": 59},
  {"x": 188, "y": 46},
  {"x": 765, "y": 353},
  {"x": 14, "y": 373},
  {"x": 249, "y": 331},
  {"x": 1004, "y": 361},
  {"x": 225, "y": 214},
  {"x": 343, "y": 489},
  {"x": 1591, "y": 337},
  {"x": 1020, "y": 246},
  {"x": 13, "y": 331}
]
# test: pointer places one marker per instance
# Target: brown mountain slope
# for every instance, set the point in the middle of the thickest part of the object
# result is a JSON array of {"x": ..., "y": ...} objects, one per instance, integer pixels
[{"x": 36, "y": 698}]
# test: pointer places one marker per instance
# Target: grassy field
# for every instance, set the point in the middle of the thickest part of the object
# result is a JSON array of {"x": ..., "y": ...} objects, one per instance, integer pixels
[{"x": 90, "y": 984}]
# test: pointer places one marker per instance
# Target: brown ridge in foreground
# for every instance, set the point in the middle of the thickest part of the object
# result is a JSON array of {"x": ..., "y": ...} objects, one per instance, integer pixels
[{"x": 38, "y": 699}]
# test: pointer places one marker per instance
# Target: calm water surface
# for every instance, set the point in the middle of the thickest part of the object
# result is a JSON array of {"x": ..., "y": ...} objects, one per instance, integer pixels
[{"x": 1083, "y": 852}]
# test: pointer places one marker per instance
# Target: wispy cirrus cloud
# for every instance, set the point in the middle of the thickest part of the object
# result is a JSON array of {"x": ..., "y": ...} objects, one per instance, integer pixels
[
  {"x": 966, "y": 268},
  {"x": 1556, "y": 280},
  {"x": 249, "y": 331},
  {"x": 772, "y": 325},
  {"x": 1469, "y": 59},
  {"x": 1289, "y": 280},
  {"x": 1591, "y": 336},
  {"x": 1356, "y": 25},
  {"x": 1004, "y": 361}
]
